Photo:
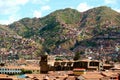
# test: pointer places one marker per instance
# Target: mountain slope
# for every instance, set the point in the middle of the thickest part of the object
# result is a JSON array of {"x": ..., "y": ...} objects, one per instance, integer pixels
[
  {"x": 60, "y": 26},
  {"x": 54, "y": 29},
  {"x": 12, "y": 43},
  {"x": 70, "y": 29},
  {"x": 100, "y": 18}
]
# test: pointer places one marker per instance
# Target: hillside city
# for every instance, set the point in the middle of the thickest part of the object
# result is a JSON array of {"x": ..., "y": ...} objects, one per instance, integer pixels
[{"x": 64, "y": 45}]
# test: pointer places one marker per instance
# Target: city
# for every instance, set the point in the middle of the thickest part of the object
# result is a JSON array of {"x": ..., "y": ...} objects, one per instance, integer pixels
[{"x": 59, "y": 40}]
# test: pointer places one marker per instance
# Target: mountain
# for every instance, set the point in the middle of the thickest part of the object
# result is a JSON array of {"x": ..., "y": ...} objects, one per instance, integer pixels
[
  {"x": 68, "y": 30},
  {"x": 100, "y": 18},
  {"x": 12, "y": 44},
  {"x": 53, "y": 28}
]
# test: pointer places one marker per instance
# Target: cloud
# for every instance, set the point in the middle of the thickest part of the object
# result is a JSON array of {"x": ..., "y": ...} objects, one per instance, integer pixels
[
  {"x": 43, "y": 8},
  {"x": 37, "y": 14},
  {"x": 118, "y": 10},
  {"x": 12, "y": 3},
  {"x": 10, "y": 19},
  {"x": 39, "y": 1},
  {"x": 10, "y": 9},
  {"x": 83, "y": 7},
  {"x": 11, "y": 6},
  {"x": 110, "y": 1},
  {"x": 22, "y": 2}
]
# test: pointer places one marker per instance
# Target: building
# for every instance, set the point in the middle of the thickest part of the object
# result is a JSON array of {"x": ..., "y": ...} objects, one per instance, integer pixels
[
  {"x": 91, "y": 76},
  {"x": 79, "y": 71},
  {"x": 88, "y": 64},
  {"x": 44, "y": 68},
  {"x": 61, "y": 65},
  {"x": 10, "y": 70},
  {"x": 19, "y": 69}
]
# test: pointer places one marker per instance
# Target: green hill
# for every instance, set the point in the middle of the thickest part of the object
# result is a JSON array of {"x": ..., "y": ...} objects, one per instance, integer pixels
[{"x": 69, "y": 29}]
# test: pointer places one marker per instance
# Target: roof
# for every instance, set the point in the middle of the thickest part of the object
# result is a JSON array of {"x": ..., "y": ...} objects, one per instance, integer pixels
[
  {"x": 12, "y": 67},
  {"x": 30, "y": 68},
  {"x": 109, "y": 74},
  {"x": 22, "y": 67},
  {"x": 3, "y": 75},
  {"x": 107, "y": 65},
  {"x": 87, "y": 60},
  {"x": 79, "y": 69},
  {"x": 92, "y": 75}
]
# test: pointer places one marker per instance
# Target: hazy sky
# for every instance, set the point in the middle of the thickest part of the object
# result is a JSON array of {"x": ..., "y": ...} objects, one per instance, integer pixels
[{"x": 13, "y": 10}]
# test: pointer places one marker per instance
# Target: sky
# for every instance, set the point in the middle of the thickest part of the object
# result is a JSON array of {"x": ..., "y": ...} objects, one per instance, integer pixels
[{"x": 14, "y": 10}]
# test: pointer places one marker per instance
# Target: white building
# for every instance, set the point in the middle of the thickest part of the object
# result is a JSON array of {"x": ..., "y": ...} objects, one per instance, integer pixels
[{"x": 10, "y": 70}]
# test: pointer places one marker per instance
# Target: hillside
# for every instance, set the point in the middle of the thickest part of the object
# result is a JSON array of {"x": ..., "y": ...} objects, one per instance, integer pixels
[
  {"x": 12, "y": 44},
  {"x": 58, "y": 25},
  {"x": 67, "y": 30},
  {"x": 100, "y": 18}
]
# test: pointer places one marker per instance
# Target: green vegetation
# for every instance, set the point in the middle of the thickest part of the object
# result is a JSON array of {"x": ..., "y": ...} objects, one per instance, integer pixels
[
  {"x": 78, "y": 55},
  {"x": 66, "y": 28},
  {"x": 26, "y": 71}
]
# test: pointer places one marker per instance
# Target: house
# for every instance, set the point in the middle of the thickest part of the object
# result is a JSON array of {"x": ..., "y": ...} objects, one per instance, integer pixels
[
  {"x": 88, "y": 64},
  {"x": 91, "y": 76},
  {"x": 10, "y": 70}
]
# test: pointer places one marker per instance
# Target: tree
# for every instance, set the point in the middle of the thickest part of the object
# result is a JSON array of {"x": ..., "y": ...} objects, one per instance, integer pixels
[
  {"x": 26, "y": 71},
  {"x": 78, "y": 55}
]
